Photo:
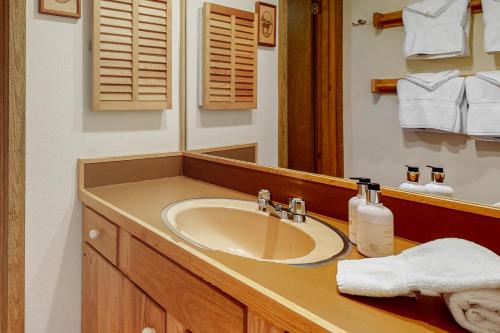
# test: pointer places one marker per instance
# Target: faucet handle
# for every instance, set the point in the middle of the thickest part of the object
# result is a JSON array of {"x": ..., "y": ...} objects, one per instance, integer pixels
[
  {"x": 265, "y": 195},
  {"x": 297, "y": 207}
]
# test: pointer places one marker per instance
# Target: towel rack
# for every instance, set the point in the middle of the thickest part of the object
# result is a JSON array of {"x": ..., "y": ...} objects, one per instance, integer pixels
[
  {"x": 395, "y": 19},
  {"x": 389, "y": 86}
]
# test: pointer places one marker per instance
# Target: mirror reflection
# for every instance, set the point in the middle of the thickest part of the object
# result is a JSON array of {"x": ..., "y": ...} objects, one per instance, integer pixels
[{"x": 349, "y": 89}]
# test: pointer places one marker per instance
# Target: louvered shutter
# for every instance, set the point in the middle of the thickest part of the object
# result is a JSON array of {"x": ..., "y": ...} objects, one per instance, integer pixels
[
  {"x": 229, "y": 58},
  {"x": 132, "y": 55}
]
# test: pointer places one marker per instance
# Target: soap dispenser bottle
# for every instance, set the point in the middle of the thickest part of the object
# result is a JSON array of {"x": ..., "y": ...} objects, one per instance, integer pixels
[
  {"x": 354, "y": 203},
  {"x": 375, "y": 234},
  {"x": 437, "y": 186},
  {"x": 412, "y": 183}
]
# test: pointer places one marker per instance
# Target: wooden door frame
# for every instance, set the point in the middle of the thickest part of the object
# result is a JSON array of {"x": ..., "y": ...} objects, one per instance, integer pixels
[
  {"x": 12, "y": 163},
  {"x": 329, "y": 96}
]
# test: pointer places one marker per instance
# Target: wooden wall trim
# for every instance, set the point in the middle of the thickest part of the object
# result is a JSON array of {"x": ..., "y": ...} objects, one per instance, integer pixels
[
  {"x": 12, "y": 165},
  {"x": 419, "y": 218},
  {"x": 282, "y": 87}
]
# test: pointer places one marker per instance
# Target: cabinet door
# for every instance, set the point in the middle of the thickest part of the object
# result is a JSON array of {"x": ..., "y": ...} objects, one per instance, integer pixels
[{"x": 113, "y": 304}]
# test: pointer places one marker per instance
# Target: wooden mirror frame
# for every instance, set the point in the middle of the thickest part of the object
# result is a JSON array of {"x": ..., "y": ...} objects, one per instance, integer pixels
[{"x": 12, "y": 163}]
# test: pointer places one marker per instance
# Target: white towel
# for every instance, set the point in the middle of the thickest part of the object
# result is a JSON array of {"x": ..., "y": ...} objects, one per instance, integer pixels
[
  {"x": 477, "y": 310},
  {"x": 443, "y": 109},
  {"x": 431, "y": 81},
  {"x": 483, "y": 116},
  {"x": 497, "y": 205},
  {"x": 491, "y": 15},
  {"x": 442, "y": 266},
  {"x": 437, "y": 29}
]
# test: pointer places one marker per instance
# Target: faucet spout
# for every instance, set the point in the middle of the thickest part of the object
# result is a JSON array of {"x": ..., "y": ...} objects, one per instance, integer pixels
[{"x": 296, "y": 211}]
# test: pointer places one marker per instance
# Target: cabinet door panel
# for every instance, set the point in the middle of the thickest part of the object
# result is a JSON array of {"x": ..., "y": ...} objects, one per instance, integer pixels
[{"x": 113, "y": 304}]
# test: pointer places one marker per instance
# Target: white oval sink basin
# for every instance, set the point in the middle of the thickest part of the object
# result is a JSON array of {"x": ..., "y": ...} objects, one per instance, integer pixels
[{"x": 239, "y": 228}]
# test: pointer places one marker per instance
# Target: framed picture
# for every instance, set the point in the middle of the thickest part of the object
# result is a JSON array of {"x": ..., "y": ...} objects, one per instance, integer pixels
[
  {"x": 267, "y": 23},
  {"x": 67, "y": 8}
]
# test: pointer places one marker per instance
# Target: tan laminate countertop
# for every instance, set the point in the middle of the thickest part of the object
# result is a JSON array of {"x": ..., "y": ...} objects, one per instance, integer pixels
[{"x": 312, "y": 289}]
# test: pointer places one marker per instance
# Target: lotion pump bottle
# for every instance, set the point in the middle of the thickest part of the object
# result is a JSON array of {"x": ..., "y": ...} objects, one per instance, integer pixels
[
  {"x": 412, "y": 183},
  {"x": 437, "y": 186},
  {"x": 354, "y": 203},
  {"x": 375, "y": 234}
]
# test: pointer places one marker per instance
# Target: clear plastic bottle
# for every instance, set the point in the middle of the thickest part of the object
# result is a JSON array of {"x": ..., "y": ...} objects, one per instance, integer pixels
[
  {"x": 354, "y": 203},
  {"x": 375, "y": 234}
]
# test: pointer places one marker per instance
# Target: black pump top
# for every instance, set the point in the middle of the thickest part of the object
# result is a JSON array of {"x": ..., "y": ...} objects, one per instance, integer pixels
[
  {"x": 362, "y": 180},
  {"x": 374, "y": 187},
  {"x": 412, "y": 168},
  {"x": 436, "y": 169}
]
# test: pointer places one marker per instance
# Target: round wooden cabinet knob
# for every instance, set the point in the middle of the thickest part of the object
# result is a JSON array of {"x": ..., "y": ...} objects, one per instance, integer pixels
[
  {"x": 93, "y": 234},
  {"x": 149, "y": 330}
]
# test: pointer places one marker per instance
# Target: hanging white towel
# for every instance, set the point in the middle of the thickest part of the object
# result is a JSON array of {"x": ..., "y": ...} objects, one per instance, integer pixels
[
  {"x": 437, "y": 29},
  {"x": 491, "y": 16},
  {"x": 443, "y": 109},
  {"x": 483, "y": 116},
  {"x": 477, "y": 310},
  {"x": 466, "y": 274},
  {"x": 431, "y": 81},
  {"x": 442, "y": 266}
]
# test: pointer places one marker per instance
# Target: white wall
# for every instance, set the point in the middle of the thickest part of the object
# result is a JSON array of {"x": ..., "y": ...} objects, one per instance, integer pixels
[
  {"x": 211, "y": 128},
  {"x": 60, "y": 129},
  {"x": 374, "y": 143}
]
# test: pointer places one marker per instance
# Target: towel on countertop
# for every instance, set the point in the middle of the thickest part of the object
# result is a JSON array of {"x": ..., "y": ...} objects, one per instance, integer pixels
[
  {"x": 443, "y": 109},
  {"x": 431, "y": 81},
  {"x": 483, "y": 116},
  {"x": 477, "y": 310},
  {"x": 437, "y": 29},
  {"x": 466, "y": 274},
  {"x": 442, "y": 266},
  {"x": 491, "y": 16}
]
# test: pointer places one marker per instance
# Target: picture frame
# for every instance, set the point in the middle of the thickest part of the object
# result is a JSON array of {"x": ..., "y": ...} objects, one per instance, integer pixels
[
  {"x": 266, "y": 14},
  {"x": 64, "y": 8}
]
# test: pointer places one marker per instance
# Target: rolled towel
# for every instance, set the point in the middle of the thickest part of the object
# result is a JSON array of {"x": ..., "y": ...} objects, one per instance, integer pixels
[
  {"x": 477, "y": 310},
  {"x": 442, "y": 266},
  {"x": 437, "y": 29},
  {"x": 443, "y": 109},
  {"x": 491, "y": 15},
  {"x": 432, "y": 81}
]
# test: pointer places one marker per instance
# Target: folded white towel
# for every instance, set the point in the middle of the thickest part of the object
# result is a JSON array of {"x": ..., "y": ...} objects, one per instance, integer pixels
[
  {"x": 477, "y": 310},
  {"x": 497, "y": 205},
  {"x": 431, "y": 8},
  {"x": 483, "y": 116},
  {"x": 443, "y": 109},
  {"x": 437, "y": 29},
  {"x": 431, "y": 81},
  {"x": 442, "y": 266},
  {"x": 491, "y": 15}
]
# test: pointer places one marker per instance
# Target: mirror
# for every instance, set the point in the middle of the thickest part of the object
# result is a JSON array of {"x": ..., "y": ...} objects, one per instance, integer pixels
[{"x": 319, "y": 107}]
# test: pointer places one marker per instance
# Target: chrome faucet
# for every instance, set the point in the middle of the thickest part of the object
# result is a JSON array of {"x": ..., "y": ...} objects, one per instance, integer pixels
[{"x": 295, "y": 212}]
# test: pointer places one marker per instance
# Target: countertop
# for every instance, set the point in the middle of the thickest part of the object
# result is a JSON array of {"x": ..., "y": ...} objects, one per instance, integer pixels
[{"x": 312, "y": 290}]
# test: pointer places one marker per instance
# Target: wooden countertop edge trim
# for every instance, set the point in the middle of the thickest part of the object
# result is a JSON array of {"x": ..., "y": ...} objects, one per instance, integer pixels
[
  {"x": 83, "y": 161},
  {"x": 285, "y": 313},
  {"x": 454, "y": 204},
  {"x": 224, "y": 148}
]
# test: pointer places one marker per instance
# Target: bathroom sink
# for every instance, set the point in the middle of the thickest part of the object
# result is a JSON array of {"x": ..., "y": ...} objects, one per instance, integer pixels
[{"x": 238, "y": 227}]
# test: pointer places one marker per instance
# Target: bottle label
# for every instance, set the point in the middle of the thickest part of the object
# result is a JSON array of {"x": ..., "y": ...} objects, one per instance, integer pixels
[
  {"x": 374, "y": 239},
  {"x": 353, "y": 218}
]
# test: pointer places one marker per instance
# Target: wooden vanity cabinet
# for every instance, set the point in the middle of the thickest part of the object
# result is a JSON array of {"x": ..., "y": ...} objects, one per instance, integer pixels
[
  {"x": 113, "y": 304},
  {"x": 140, "y": 290}
]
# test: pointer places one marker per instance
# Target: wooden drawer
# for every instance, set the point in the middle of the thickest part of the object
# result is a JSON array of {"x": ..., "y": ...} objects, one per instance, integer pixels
[
  {"x": 101, "y": 234},
  {"x": 195, "y": 303}
]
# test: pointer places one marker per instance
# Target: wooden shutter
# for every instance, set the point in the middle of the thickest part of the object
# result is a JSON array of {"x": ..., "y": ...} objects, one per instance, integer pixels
[
  {"x": 229, "y": 58},
  {"x": 132, "y": 55}
]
